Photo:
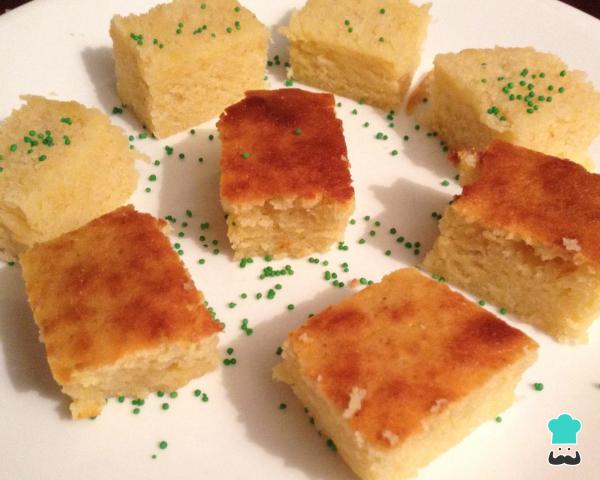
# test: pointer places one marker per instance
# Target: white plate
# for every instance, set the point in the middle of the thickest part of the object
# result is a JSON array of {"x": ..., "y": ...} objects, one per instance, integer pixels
[{"x": 61, "y": 48}]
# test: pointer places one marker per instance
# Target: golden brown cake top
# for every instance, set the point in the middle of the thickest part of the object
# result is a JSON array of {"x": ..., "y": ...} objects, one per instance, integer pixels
[
  {"x": 411, "y": 345},
  {"x": 541, "y": 199},
  {"x": 109, "y": 289},
  {"x": 283, "y": 144}
]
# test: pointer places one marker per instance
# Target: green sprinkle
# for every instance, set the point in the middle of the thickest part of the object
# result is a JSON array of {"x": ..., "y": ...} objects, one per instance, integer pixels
[
  {"x": 203, "y": 6},
  {"x": 538, "y": 387},
  {"x": 346, "y": 22},
  {"x": 121, "y": 398},
  {"x": 290, "y": 306},
  {"x": 498, "y": 419},
  {"x": 165, "y": 406},
  {"x": 445, "y": 183},
  {"x": 279, "y": 351},
  {"x": 152, "y": 178},
  {"x": 388, "y": 252},
  {"x": 245, "y": 155},
  {"x": 163, "y": 444},
  {"x": 117, "y": 110},
  {"x": 563, "y": 73},
  {"x": 502, "y": 310},
  {"x": 561, "y": 89},
  {"x": 289, "y": 82},
  {"x": 481, "y": 302},
  {"x": 381, "y": 39},
  {"x": 362, "y": 241},
  {"x": 393, "y": 153},
  {"x": 41, "y": 158},
  {"x": 66, "y": 120},
  {"x": 160, "y": 394},
  {"x": 169, "y": 150},
  {"x": 366, "y": 124},
  {"x": 382, "y": 11},
  {"x": 136, "y": 410},
  {"x": 182, "y": 156},
  {"x": 13, "y": 147},
  {"x": 173, "y": 394},
  {"x": 282, "y": 406},
  {"x": 297, "y": 131},
  {"x": 331, "y": 445}
]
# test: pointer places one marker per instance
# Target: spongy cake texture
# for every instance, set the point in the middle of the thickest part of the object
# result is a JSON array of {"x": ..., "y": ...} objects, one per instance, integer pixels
[
  {"x": 401, "y": 371},
  {"x": 518, "y": 95},
  {"x": 61, "y": 165},
  {"x": 285, "y": 178},
  {"x": 367, "y": 50},
  {"x": 117, "y": 311},
  {"x": 524, "y": 235},
  {"x": 183, "y": 62}
]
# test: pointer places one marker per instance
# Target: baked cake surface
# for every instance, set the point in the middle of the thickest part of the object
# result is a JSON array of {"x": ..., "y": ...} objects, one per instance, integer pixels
[
  {"x": 183, "y": 62},
  {"x": 117, "y": 311},
  {"x": 285, "y": 177},
  {"x": 401, "y": 371},
  {"x": 523, "y": 234},
  {"x": 367, "y": 50},
  {"x": 518, "y": 95},
  {"x": 61, "y": 165}
]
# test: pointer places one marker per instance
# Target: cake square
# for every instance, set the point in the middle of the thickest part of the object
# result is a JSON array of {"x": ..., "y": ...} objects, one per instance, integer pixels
[
  {"x": 183, "y": 62},
  {"x": 117, "y": 311},
  {"x": 367, "y": 50},
  {"x": 285, "y": 177},
  {"x": 524, "y": 235},
  {"x": 401, "y": 371},
  {"x": 517, "y": 95},
  {"x": 61, "y": 165}
]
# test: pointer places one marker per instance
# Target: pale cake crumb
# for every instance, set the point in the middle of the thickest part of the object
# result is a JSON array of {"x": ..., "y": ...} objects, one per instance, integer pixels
[
  {"x": 173, "y": 79},
  {"x": 304, "y": 338},
  {"x": 474, "y": 99},
  {"x": 391, "y": 437},
  {"x": 354, "y": 404},
  {"x": 571, "y": 244},
  {"x": 347, "y": 47},
  {"x": 439, "y": 404}
]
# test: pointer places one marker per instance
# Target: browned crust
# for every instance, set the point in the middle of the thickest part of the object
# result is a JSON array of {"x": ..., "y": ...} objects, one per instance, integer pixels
[
  {"x": 283, "y": 164},
  {"x": 539, "y": 197},
  {"x": 409, "y": 342},
  {"x": 110, "y": 288}
]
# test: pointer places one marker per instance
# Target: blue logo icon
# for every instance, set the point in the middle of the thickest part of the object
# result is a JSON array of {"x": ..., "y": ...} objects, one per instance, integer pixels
[{"x": 564, "y": 430}]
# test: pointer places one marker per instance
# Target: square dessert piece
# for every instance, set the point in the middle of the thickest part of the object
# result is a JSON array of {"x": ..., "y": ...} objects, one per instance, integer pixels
[
  {"x": 367, "y": 50},
  {"x": 524, "y": 235},
  {"x": 518, "y": 95},
  {"x": 402, "y": 371},
  {"x": 285, "y": 178},
  {"x": 61, "y": 165},
  {"x": 117, "y": 311},
  {"x": 183, "y": 62}
]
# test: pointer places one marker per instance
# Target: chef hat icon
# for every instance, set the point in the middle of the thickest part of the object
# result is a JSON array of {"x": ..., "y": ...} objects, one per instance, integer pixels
[{"x": 564, "y": 429}]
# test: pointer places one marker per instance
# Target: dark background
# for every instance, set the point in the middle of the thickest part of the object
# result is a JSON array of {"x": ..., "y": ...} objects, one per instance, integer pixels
[{"x": 590, "y": 6}]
